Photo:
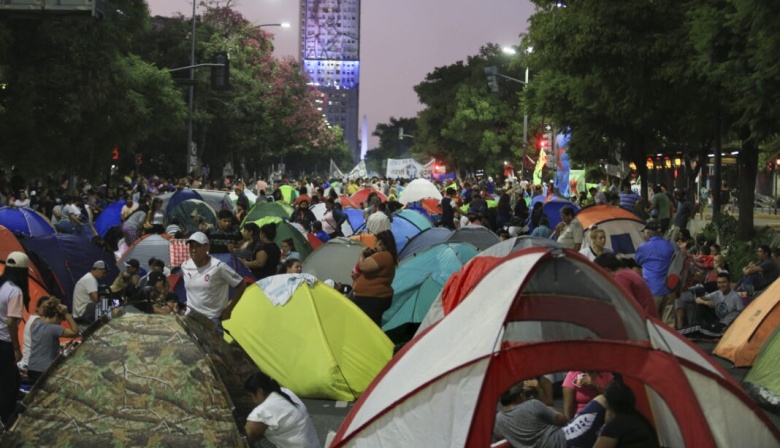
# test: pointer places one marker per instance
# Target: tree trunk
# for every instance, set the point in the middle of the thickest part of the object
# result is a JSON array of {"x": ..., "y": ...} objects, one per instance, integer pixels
[{"x": 748, "y": 166}]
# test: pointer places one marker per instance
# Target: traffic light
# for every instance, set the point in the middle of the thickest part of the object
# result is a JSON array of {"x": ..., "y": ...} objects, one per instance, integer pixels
[
  {"x": 115, "y": 153},
  {"x": 220, "y": 74},
  {"x": 492, "y": 78},
  {"x": 400, "y": 133}
]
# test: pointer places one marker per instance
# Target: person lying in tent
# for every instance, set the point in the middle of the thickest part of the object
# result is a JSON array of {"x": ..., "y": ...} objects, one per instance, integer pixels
[{"x": 525, "y": 421}]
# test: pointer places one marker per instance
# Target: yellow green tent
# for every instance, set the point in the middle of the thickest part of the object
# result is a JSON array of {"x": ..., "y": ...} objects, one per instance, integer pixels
[{"x": 319, "y": 344}]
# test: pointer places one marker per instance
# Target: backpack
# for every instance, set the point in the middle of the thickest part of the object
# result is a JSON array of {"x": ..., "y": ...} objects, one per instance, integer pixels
[{"x": 682, "y": 271}]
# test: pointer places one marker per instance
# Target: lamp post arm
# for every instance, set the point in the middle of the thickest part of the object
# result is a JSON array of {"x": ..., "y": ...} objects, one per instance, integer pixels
[
  {"x": 195, "y": 66},
  {"x": 511, "y": 78}
]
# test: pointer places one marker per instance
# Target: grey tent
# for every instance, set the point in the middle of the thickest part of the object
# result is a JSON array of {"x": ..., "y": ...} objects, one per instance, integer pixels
[
  {"x": 423, "y": 240},
  {"x": 334, "y": 260},
  {"x": 479, "y": 236},
  {"x": 506, "y": 247}
]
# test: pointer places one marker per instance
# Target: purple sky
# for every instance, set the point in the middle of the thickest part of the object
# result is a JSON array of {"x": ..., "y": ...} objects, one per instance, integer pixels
[{"x": 401, "y": 41}]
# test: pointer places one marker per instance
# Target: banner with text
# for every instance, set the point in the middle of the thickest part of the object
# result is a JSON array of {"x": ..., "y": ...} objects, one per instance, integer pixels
[{"x": 408, "y": 169}]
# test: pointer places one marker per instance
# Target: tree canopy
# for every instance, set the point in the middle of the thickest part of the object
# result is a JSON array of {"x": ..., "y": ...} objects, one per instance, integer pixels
[{"x": 75, "y": 88}]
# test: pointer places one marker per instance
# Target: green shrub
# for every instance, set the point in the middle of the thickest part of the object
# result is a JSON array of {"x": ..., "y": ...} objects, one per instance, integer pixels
[{"x": 738, "y": 252}]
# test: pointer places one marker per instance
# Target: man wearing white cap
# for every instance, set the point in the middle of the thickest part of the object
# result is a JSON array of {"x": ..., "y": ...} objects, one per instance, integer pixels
[
  {"x": 208, "y": 280},
  {"x": 86, "y": 291},
  {"x": 13, "y": 298}
]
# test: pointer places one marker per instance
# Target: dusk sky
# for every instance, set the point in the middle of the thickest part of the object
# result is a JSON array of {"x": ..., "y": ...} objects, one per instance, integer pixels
[{"x": 401, "y": 41}]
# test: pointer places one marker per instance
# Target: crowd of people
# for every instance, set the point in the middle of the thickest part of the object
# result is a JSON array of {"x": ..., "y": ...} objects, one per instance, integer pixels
[{"x": 598, "y": 409}]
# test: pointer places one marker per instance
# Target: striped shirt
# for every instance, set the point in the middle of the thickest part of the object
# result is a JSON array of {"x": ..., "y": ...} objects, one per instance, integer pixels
[{"x": 628, "y": 200}]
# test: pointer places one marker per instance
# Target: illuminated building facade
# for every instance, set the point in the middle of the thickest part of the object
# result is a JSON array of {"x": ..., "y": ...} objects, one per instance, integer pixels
[{"x": 330, "y": 55}]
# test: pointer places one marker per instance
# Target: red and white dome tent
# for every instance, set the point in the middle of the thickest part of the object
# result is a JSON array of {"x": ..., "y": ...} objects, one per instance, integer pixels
[{"x": 540, "y": 311}]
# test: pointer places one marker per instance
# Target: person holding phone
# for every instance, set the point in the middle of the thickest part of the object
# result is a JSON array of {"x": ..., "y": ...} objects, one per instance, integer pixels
[{"x": 580, "y": 387}]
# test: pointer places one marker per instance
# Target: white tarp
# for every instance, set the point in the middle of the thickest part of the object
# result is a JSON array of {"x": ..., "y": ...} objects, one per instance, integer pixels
[{"x": 408, "y": 169}]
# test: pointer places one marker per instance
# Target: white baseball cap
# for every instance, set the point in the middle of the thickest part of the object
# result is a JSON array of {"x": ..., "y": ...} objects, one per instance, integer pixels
[
  {"x": 17, "y": 259},
  {"x": 198, "y": 237}
]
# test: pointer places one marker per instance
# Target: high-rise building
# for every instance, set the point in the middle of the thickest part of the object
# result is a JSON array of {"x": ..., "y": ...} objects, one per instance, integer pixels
[{"x": 330, "y": 55}]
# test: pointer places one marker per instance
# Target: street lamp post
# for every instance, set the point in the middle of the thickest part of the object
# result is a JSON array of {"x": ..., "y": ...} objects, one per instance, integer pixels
[
  {"x": 190, "y": 104},
  {"x": 512, "y": 51},
  {"x": 191, "y": 148}
]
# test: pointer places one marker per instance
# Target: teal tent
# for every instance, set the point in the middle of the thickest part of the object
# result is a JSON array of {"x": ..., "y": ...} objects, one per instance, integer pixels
[{"x": 418, "y": 281}]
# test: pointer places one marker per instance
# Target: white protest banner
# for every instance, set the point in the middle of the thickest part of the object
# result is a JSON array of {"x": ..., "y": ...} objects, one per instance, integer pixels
[
  {"x": 359, "y": 171},
  {"x": 408, "y": 169}
]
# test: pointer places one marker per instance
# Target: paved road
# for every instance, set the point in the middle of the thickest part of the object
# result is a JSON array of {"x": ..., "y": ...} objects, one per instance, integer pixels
[{"x": 327, "y": 415}]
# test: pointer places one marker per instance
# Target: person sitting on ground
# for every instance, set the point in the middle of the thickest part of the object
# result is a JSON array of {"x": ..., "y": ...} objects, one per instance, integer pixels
[
  {"x": 598, "y": 242},
  {"x": 715, "y": 311},
  {"x": 685, "y": 303},
  {"x": 630, "y": 280},
  {"x": 86, "y": 292},
  {"x": 156, "y": 298},
  {"x": 45, "y": 334},
  {"x": 279, "y": 416},
  {"x": 126, "y": 283},
  {"x": 524, "y": 421},
  {"x": 762, "y": 272},
  {"x": 625, "y": 426},
  {"x": 579, "y": 388},
  {"x": 225, "y": 235}
]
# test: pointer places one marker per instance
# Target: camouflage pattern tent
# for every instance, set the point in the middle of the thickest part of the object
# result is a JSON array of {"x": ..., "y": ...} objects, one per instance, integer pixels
[{"x": 140, "y": 380}]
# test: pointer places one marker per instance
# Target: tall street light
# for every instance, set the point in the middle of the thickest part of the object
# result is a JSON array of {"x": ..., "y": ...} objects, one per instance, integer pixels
[
  {"x": 283, "y": 25},
  {"x": 512, "y": 51},
  {"x": 191, "y": 148}
]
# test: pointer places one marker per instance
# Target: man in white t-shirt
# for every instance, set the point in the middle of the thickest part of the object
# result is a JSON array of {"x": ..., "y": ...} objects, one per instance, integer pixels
[
  {"x": 208, "y": 280},
  {"x": 86, "y": 291}
]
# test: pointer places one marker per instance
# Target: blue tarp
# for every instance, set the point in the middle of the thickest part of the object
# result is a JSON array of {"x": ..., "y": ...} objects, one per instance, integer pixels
[
  {"x": 109, "y": 217},
  {"x": 68, "y": 258}
]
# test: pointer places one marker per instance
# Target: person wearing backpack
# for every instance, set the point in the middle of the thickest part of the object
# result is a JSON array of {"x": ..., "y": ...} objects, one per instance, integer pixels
[{"x": 655, "y": 256}]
